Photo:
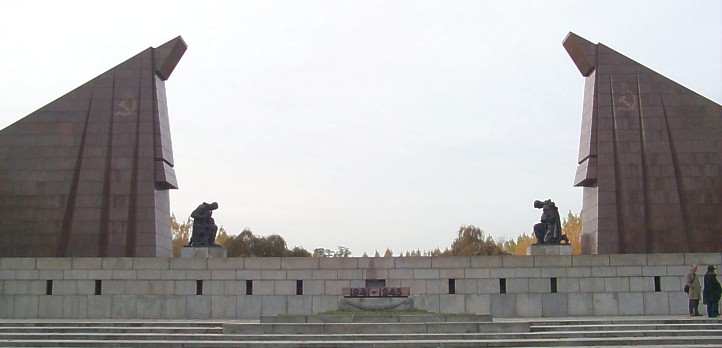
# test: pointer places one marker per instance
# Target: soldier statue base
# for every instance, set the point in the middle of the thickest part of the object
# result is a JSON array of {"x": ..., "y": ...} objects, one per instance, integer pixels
[
  {"x": 204, "y": 252},
  {"x": 549, "y": 249}
]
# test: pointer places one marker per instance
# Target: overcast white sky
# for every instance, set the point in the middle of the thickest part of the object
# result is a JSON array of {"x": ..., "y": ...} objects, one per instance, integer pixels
[{"x": 368, "y": 124}]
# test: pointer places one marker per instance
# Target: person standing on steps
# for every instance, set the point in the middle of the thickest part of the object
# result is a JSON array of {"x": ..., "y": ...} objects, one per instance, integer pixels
[
  {"x": 693, "y": 290},
  {"x": 712, "y": 292}
]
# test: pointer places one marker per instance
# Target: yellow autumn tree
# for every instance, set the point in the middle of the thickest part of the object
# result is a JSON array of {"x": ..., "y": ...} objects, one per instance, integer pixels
[
  {"x": 572, "y": 227},
  {"x": 472, "y": 241},
  {"x": 181, "y": 233},
  {"x": 520, "y": 245},
  {"x": 223, "y": 238}
]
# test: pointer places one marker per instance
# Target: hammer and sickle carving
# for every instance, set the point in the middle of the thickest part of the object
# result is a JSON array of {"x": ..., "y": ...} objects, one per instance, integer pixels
[
  {"x": 127, "y": 107},
  {"x": 626, "y": 102}
]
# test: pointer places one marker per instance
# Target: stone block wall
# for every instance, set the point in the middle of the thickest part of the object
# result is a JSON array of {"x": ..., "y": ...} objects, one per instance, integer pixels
[{"x": 180, "y": 288}]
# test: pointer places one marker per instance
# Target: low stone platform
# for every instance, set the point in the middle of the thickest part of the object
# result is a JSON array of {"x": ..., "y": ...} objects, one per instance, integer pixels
[
  {"x": 204, "y": 252},
  {"x": 372, "y": 328},
  {"x": 544, "y": 249},
  {"x": 377, "y": 318},
  {"x": 375, "y": 303}
]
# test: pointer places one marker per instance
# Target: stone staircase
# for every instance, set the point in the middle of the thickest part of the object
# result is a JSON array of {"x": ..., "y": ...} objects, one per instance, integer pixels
[{"x": 656, "y": 332}]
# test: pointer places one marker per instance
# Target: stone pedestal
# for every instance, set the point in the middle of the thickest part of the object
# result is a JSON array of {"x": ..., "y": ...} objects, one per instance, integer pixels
[
  {"x": 204, "y": 252},
  {"x": 550, "y": 249},
  {"x": 375, "y": 303}
]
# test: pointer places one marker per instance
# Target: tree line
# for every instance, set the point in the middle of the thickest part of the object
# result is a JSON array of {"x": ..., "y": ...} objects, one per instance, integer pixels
[{"x": 470, "y": 241}]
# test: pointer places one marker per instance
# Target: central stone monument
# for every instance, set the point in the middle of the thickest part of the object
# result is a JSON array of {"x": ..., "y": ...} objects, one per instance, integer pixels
[
  {"x": 650, "y": 160},
  {"x": 88, "y": 174}
]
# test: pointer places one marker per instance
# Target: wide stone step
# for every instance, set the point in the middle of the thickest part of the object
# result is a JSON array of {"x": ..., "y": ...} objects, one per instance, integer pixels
[
  {"x": 686, "y": 341},
  {"x": 110, "y": 329},
  {"x": 372, "y": 328},
  {"x": 345, "y": 337},
  {"x": 593, "y": 321},
  {"x": 107, "y": 323},
  {"x": 624, "y": 327}
]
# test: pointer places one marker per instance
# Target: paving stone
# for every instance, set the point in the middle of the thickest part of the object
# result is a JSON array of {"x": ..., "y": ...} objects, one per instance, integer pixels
[
  {"x": 325, "y": 274},
  {"x": 114, "y": 263},
  {"x": 665, "y": 259},
  {"x": 338, "y": 263},
  {"x": 198, "y": 307},
  {"x": 591, "y": 284},
  {"x": 503, "y": 306},
  {"x": 628, "y": 259},
  {"x": 100, "y": 306},
  {"x": 479, "y": 304},
  {"x": 476, "y": 273},
  {"x": 416, "y": 287},
  {"x": 568, "y": 285},
  {"x": 488, "y": 286},
  {"x": 252, "y": 263},
  {"x": 604, "y": 271},
  {"x": 376, "y": 262},
  {"x": 174, "y": 307},
  {"x": 15, "y": 263},
  {"x": 627, "y": 271},
  {"x": 656, "y": 303},
  {"x": 556, "y": 272},
  {"x": 188, "y": 263},
  {"x": 325, "y": 303},
  {"x": 517, "y": 261},
  {"x": 249, "y": 307},
  {"x": 350, "y": 274},
  {"x": 450, "y": 262},
  {"x": 300, "y": 304},
  {"x": 273, "y": 305},
  {"x": 149, "y": 306},
  {"x": 485, "y": 261},
  {"x": 581, "y": 304},
  {"x": 549, "y": 260},
  {"x": 223, "y": 307},
  {"x": 53, "y": 263},
  {"x": 436, "y": 287},
  {"x": 412, "y": 262},
  {"x": 617, "y": 284},
  {"x": 641, "y": 284},
  {"x": 50, "y": 307},
  {"x": 456, "y": 273},
  {"x": 554, "y": 305},
  {"x": 452, "y": 303},
  {"x": 590, "y": 260},
  {"x": 631, "y": 303},
  {"x": 703, "y": 259},
  {"x": 529, "y": 305},
  {"x": 124, "y": 307},
  {"x": 84, "y": 263},
  {"x": 226, "y": 263},
  {"x": 539, "y": 285},
  {"x": 429, "y": 303},
  {"x": 300, "y": 263},
  {"x": 605, "y": 304},
  {"x": 426, "y": 274}
]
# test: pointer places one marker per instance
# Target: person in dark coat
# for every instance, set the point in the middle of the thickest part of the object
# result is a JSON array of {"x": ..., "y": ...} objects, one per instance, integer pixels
[{"x": 712, "y": 292}]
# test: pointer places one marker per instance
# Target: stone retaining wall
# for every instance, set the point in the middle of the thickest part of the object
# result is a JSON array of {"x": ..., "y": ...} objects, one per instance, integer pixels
[{"x": 168, "y": 287}]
